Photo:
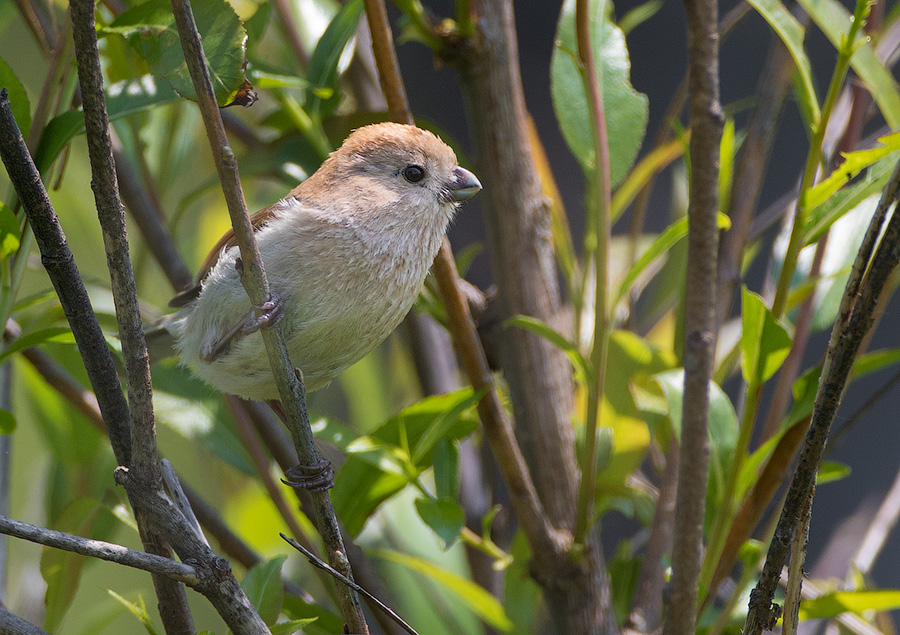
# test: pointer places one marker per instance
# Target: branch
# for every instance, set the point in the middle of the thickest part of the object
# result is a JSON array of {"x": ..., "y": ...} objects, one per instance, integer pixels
[
  {"x": 253, "y": 277},
  {"x": 11, "y": 624},
  {"x": 855, "y": 318},
  {"x": 700, "y": 317},
  {"x": 101, "y": 550}
]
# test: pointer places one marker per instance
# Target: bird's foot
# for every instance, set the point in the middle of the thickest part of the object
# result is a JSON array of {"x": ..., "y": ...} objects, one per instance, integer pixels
[
  {"x": 267, "y": 315},
  {"x": 316, "y": 478}
]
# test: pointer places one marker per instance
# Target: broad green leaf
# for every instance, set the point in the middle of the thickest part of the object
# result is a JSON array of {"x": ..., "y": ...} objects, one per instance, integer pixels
[
  {"x": 123, "y": 98},
  {"x": 831, "y": 471},
  {"x": 444, "y": 517},
  {"x": 53, "y": 334},
  {"x": 804, "y": 391},
  {"x": 874, "y": 361},
  {"x": 834, "y": 20},
  {"x": 792, "y": 34},
  {"x": 257, "y": 24},
  {"x": 325, "y": 60},
  {"x": 446, "y": 470},
  {"x": 582, "y": 366},
  {"x": 377, "y": 466},
  {"x": 264, "y": 588},
  {"x": 150, "y": 29},
  {"x": 764, "y": 342},
  {"x": 479, "y": 601},
  {"x": 853, "y": 164},
  {"x": 625, "y": 109},
  {"x": 833, "y": 208},
  {"x": 9, "y": 231},
  {"x": 833, "y": 604},
  {"x": 326, "y": 622},
  {"x": 138, "y": 609},
  {"x": 60, "y": 569},
  {"x": 723, "y": 431},
  {"x": 7, "y": 422},
  {"x": 18, "y": 98},
  {"x": 663, "y": 243}
]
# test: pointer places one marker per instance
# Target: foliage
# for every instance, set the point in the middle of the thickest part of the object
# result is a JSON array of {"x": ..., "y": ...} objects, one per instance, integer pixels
[{"x": 404, "y": 456}]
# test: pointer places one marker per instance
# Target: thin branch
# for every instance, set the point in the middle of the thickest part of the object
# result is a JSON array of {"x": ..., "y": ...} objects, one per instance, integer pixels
[
  {"x": 700, "y": 319},
  {"x": 253, "y": 277},
  {"x": 11, "y": 624},
  {"x": 101, "y": 550},
  {"x": 855, "y": 318},
  {"x": 324, "y": 566}
]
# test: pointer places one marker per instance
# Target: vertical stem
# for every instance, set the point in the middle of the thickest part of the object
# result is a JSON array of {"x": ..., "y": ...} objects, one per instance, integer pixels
[{"x": 700, "y": 323}]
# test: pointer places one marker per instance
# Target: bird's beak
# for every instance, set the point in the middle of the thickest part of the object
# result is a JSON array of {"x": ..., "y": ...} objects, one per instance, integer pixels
[{"x": 464, "y": 185}]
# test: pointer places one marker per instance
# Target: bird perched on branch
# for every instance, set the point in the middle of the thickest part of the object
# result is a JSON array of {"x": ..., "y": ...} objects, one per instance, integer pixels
[{"x": 345, "y": 253}]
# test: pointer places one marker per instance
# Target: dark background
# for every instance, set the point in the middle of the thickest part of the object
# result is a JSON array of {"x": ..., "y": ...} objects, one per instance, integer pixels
[{"x": 841, "y": 509}]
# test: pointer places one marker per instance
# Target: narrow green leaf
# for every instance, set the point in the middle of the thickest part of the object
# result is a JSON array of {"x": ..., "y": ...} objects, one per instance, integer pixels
[
  {"x": 150, "y": 29},
  {"x": 444, "y": 517},
  {"x": 831, "y": 471},
  {"x": 9, "y": 232},
  {"x": 324, "y": 62},
  {"x": 54, "y": 334},
  {"x": 792, "y": 34},
  {"x": 854, "y": 163},
  {"x": 139, "y": 610},
  {"x": 764, "y": 342},
  {"x": 727, "y": 150},
  {"x": 582, "y": 366},
  {"x": 874, "y": 361},
  {"x": 804, "y": 392},
  {"x": 625, "y": 109},
  {"x": 663, "y": 243},
  {"x": 833, "y": 604},
  {"x": 479, "y": 601},
  {"x": 293, "y": 626},
  {"x": 7, "y": 422},
  {"x": 446, "y": 470},
  {"x": 638, "y": 15},
  {"x": 264, "y": 588},
  {"x": 834, "y": 20},
  {"x": 18, "y": 98}
]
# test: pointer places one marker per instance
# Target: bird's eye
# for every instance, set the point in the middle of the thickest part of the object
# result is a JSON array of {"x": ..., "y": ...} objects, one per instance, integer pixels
[{"x": 413, "y": 173}]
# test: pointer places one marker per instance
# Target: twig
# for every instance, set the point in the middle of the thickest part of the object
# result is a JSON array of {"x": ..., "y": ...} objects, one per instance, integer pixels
[
  {"x": 253, "y": 277},
  {"x": 11, "y": 624},
  {"x": 324, "y": 566},
  {"x": 854, "y": 320},
  {"x": 700, "y": 318},
  {"x": 101, "y": 550}
]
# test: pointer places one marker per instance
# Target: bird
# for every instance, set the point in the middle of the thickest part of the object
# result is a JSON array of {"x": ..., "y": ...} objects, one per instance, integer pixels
[{"x": 346, "y": 253}]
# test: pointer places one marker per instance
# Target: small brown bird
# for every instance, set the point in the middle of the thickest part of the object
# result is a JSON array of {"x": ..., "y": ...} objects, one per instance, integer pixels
[{"x": 346, "y": 254}]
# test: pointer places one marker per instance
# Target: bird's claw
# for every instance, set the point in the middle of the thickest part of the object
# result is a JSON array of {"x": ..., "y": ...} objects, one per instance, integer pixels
[
  {"x": 316, "y": 478},
  {"x": 268, "y": 314}
]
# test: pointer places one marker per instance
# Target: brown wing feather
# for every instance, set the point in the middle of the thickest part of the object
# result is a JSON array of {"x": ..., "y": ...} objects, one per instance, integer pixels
[{"x": 227, "y": 241}]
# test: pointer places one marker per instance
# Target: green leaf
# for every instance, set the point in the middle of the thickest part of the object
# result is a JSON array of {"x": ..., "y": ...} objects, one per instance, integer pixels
[
  {"x": 150, "y": 29},
  {"x": 479, "y": 601},
  {"x": 831, "y": 471},
  {"x": 446, "y": 470},
  {"x": 53, "y": 334},
  {"x": 625, "y": 109},
  {"x": 294, "y": 626},
  {"x": 582, "y": 366},
  {"x": 874, "y": 361},
  {"x": 18, "y": 98},
  {"x": 444, "y": 517},
  {"x": 122, "y": 99},
  {"x": 264, "y": 588},
  {"x": 257, "y": 24},
  {"x": 7, "y": 422},
  {"x": 792, "y": 34},
  {"x": 723, "y": 431},
  {"x": 9, "y": 231},
  {"x": 378, "y": 466},
  {"x": 663, "y": 243},
  {"x": 325, "y": 60},
  {"x": 638, "y": 15},
  {"x": 804, "y": 391},
  {"x": 854, "y": 163},
  {"x": 834, "y": 20},
  {"x": 833, "y": 604},
  {"x": 764, "y": 342},
  {"x": 139, "y": 610}
]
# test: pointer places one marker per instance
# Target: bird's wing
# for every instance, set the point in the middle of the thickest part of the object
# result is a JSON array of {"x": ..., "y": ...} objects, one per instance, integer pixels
[{"x": 226, "y": 242}]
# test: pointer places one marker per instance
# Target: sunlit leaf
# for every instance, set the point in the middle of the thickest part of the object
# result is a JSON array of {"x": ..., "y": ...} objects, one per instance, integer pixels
[
  {"x": 764, "y": 342},
  {"x": 831, "y": 471},
  {"x": 18, "y": 98},
  {"x": 833, "y": 604},
  {"x": 138, "y": 609},
  {"x": 579, "y": 362},
  {"x": 625, "y": 109},
  {"x": 874, "y": 361},
  {"x": 150, "y": 29},
  {"x": 479, "y": 601},
  {"x": 9, "y": 232}
]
